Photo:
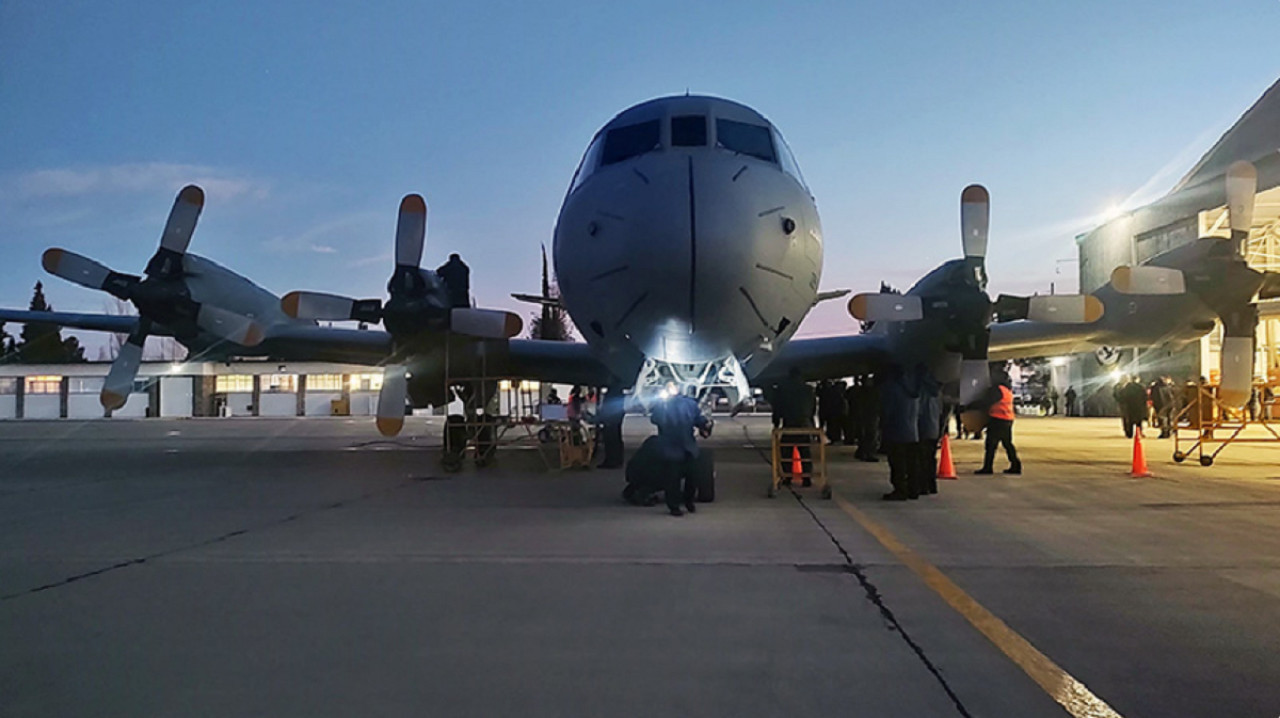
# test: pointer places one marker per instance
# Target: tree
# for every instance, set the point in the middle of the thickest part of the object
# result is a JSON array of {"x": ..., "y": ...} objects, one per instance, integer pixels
[
  {"x": 43, "y": 343},
  {"x": 553, "y": 324}
]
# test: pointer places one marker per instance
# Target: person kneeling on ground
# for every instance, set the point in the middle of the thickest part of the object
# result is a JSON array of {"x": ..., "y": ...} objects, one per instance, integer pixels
[{"x": 676, "y": 417}]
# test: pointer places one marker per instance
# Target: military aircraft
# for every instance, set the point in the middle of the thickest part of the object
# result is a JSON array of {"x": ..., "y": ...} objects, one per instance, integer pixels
[{"x": 688, "y": 249}]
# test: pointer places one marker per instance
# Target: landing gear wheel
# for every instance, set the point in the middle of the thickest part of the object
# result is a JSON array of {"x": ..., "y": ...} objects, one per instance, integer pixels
[
  {"x": 826, "y": 492},
  {"x": 772, "y": 493},
  {"x": 1179, "y": 457},
  {"x": 1206, "y": 461}
]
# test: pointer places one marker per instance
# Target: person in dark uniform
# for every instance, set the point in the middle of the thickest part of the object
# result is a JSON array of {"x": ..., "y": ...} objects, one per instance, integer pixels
[
  {"x": 612, "y": 412},
  {"x": 795, "y": 408},
  {"x": 832, "y": 409},
  {"x": 1070, "y": 397},
  {"x": 457, "y": 281},
  {"x": 899, "y": 430},
  {"x": 1132, "y": 397},
  {"x": 929, "y": 426},
  {"x": 676, "y": 418},
  {"x": 869, "y": 419},
  {"x": 1163, "y": 404},
  {"x": 998, "y": 401},
  {"x": 852, "y": 418}
]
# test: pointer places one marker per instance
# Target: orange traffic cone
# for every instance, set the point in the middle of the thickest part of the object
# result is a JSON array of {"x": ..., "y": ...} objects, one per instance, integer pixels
[
  {"x": 946, "y": 469},
  {"x": 797, "y": 467},
  {"x": 1140, "y": 470}
]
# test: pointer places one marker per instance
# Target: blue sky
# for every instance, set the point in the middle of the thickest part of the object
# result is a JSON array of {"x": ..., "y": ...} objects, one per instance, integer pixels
[{"x": 306, "y": 122}]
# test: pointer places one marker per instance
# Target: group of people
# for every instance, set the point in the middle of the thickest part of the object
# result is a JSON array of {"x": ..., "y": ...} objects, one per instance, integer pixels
[
  {"x": 1158, "y": 403},
  {"x": 848, "y": 412},
  {"x": 898, "y": 412},
  {"x": 605, "y": 410}
]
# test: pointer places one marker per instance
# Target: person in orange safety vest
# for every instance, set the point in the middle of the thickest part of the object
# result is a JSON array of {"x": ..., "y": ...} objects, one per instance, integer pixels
[{"x": 999, "y": 401}]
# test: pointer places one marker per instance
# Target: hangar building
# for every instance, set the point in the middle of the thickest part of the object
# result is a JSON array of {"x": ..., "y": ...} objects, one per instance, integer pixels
[{"x": 1194, "y": 208}]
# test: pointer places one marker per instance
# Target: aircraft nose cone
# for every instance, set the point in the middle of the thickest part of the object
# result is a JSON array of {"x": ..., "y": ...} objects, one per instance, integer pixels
[
  {"x": 689, "y": 259},
  {"x": 624, "y": 257}
]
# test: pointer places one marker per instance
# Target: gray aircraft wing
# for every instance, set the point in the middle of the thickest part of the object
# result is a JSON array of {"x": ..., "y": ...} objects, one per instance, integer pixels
[
  {"x": 309, "y": 342},
  {"x": 559, "y": 362},
  {"x": 114, "y": 323},
  {"x": 827, "y": 357},
  {"x": 294, "y": 342},
  {"x": 1017, "y": 340}
]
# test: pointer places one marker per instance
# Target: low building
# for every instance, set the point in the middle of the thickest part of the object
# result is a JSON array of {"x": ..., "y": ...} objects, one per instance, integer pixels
[{"x": 186, "y": 389}]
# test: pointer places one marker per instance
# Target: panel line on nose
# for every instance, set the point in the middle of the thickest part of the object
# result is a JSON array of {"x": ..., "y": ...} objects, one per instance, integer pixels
[
  {"x": 630, "y": 309},
  {"x": 693, "y": 252}
]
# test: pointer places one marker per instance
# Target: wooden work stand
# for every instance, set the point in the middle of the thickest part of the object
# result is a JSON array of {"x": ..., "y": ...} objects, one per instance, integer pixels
[{"x": 783, "y": 442}]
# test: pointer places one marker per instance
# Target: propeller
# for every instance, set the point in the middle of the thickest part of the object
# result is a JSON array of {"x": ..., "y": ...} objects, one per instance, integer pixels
[
  {"x": 965, "y": 305},
  {"x": 160, "y": 296},
  {"x": 391, "y": 397},
  {"x": 416, "y": 304},
  {"x": 1223, "y": 281}
]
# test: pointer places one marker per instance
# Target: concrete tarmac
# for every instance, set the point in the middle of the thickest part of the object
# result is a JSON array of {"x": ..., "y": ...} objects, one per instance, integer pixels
[{"x": 308, "y": 567}]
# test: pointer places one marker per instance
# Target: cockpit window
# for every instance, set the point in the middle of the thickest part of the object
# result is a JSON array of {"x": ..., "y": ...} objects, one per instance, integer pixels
[
  {"x": 746, "y": 139},
  {"x": 623, "y": 143},
  {"x": 689, "y": 131},
  {"x": 788, "y": 160},
  {"x": 588, "y": 165}
]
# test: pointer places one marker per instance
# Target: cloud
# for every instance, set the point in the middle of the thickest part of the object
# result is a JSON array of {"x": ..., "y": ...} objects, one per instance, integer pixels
[
  {"x": 330, "y": 236},
  {"x": 384, "y": 258},
  {"x": 131, "y": 178}
]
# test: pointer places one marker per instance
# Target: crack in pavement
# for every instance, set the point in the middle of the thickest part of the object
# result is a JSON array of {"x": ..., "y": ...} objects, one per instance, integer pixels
[
  {"x": 872, "y": 593},
  {"x": 211, "y": 541}
]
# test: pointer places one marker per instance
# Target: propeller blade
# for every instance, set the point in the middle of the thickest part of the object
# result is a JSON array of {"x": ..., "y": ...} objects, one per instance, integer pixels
[
  {"x": 1064, "y": 309},
  {"x": 975, "y": 372},
  {"x": 485, "y": 323},
  {"x": 182, "y": 219},
  {"x": 1242, "y": 187},
  {"x": 975, "y": 379},
  {"x": 119, "y": 382},
  {"x": 1239, "y": 328},
  {"x": 75, "y": 268},
  {"x": 317, "y": 305},
  {"x": 1148, "y": 280},
  {"x": 229, "y": 326},
  {"x": 391, "y": 400},
  {"x": 885, "y": 307},
  {"x": 1237, "y": 371},
  {"x": 411, "y": 230},
  {"x": 975, "y": 220},
  {"x": 1270, "y": 286}
]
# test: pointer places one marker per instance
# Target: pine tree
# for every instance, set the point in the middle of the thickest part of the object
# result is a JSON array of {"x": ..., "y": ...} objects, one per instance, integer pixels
[
  {"x": 43, "y": 343},
  {"x": 553, "y": 323}
]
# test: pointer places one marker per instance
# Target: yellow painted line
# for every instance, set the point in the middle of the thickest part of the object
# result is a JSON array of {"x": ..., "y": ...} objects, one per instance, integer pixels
[{"x": 1060, "y": 685}]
